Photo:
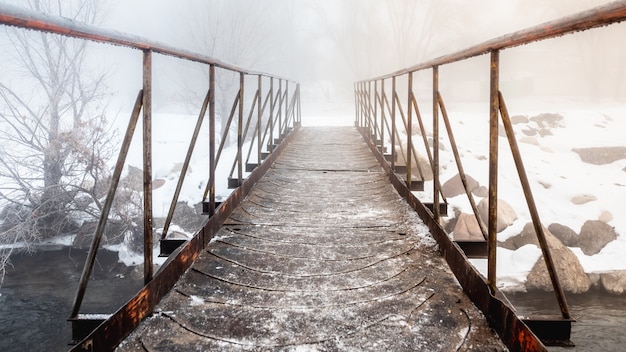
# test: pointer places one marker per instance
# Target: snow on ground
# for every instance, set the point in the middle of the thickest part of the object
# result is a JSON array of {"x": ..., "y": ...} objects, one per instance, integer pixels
[{"x": 555, "y": 172}]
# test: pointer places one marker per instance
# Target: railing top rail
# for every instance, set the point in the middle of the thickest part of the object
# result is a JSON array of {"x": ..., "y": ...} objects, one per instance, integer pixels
[
  {"x": 596, "y": 17},
  {"x": 24, "y": 18}
]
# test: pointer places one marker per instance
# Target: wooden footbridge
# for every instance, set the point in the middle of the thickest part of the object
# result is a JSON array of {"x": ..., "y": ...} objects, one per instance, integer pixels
[
  {"x": 323, "y": 243},
  {"x": 323, "y": 254}
]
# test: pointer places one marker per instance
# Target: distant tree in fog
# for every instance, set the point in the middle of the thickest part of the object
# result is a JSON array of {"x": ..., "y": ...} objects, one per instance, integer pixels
[
  {"x": 234, "y": 32},
  {"x": 374, "y": 37},
  {"x": 54, "y": 140}
]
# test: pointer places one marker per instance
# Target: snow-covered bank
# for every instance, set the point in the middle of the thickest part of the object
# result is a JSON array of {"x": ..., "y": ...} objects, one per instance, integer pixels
[{"x": 567, "y": 190}]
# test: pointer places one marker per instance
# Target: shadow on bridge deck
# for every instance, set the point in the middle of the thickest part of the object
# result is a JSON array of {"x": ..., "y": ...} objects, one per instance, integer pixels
[{"x": 322, "y": 255}]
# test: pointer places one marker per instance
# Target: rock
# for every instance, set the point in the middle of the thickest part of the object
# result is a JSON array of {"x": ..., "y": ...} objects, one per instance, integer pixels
[
  {"x": 481, "y": 191},
  {"x": 594, "y": 235},
  {"x": 545, "y": 132},
  {"x": 529, "y": 140},
  {"x": 467, "y": 229},
  {"x": 454, "y": 187},
  {"x": 565, "y": 234},
  {"x": 605, "y": 216},
  {"x": 569, "y": 271},
  {"x": 506, "y": 214},
  {"x": 583, "y": 198},
  {"x": 614, "y": 282},
  {"x": 519, "y": 119},
  {"x": 527, "y": 236},
  {"x": 601, "y": 155},
  {"x": 451, "y": 223},
  {"x": 158, "y": 183},
  {"x": 548, "y": 120}
]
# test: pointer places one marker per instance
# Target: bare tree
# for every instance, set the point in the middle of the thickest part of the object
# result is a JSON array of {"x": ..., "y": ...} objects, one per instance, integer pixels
[{"x": 54, "y": 139}]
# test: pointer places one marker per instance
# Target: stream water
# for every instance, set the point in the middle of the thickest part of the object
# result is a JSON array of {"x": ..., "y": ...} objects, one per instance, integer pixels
[
  {"x": 600, "y": 318},
  {"x": 38, "y": 292}
]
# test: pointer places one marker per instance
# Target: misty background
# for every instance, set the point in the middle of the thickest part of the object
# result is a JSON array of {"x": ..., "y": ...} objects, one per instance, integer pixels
[{"x": 327, "y": 45}]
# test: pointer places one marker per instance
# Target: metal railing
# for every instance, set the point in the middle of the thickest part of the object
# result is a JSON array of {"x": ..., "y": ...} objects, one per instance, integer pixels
[
  {"x": 377, "y": 114},
  {"x": 263, "y": 121}
]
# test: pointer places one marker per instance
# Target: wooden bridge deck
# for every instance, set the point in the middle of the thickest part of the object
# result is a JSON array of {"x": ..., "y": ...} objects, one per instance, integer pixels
[{"x": 323, "y": 255}]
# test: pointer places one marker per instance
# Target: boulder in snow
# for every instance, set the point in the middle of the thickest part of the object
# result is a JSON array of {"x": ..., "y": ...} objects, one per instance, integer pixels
[
  {"x": 564, "y": 233},
  {"x": 506, "y": 213},
  {"x": 594, "y": 235},
  {"x": 583, "y": 198},
  {"x": 454, "y": 187},
  {"x": 571, "y": 274},
  {"x": 467, "y": 228},
  {"x": 601, "y": 155}
]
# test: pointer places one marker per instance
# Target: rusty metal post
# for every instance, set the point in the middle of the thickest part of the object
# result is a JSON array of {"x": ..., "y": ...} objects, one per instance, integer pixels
[
  {"x": 492, "y": 226},
  {"x": 368, "y": 109},
  {"x": 393, "y": 123},
  {"x": 272, "y": 102},
  {"x": 211, "y": 140},
  {"x": 409, "y": 132},
  {"x": 147, "y": 166},
  {"x": 299, "y": 115},
  {"x": 240, "y": 130},
  {"x": 356, "y": 104},
  {"x": 280, "y": 105},
  {"x": 258, "y": 121},
  {"x": 363, "y": 122},
  {"x": 382, "y": 116},
  {"x": 534, "y": 213},
  {"x": 375, "y": 114},
  {"x": 436, "y": 183}
]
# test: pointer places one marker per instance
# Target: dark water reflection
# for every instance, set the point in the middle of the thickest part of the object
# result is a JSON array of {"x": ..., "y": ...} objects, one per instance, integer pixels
[
  {"x": 600, "y": 318},
  {"x": 38, "y": 291}
]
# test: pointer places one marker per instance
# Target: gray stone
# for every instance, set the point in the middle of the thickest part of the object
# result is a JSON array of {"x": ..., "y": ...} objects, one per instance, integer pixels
[
  {"x": 565, "y": 234},
  {"x": 529, "y": 140},
  {"x": 594, "y": 235},
  {"x": 481, "y": 191},
  {"x": 467, "y": 228},
  {"x": 614, "y": 281},
  {"x": 548, "y": 120},
  {"x": 506, "y": 214},
  {"x": 605, "y": 216},
  {"x": 527, "y": 236},
  {"x": 601, "y": 155},
  {"x": 569, "y": 271},
  {"x": 454, "y": 187},
  {"x": 519, "y": 119},
  {"x": 583, "y": 198}
]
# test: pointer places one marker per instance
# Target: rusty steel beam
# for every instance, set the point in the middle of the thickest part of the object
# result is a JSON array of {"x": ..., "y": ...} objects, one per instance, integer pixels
[
  {"x": 492, "y": 222},
  {"x": 435, "y": 164},
  {"x": 24, "y": 18},
  {"x": 593, "y": 18},
  {"x": 212, "y": 161},
  {"x": 147, "y": 166}
]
